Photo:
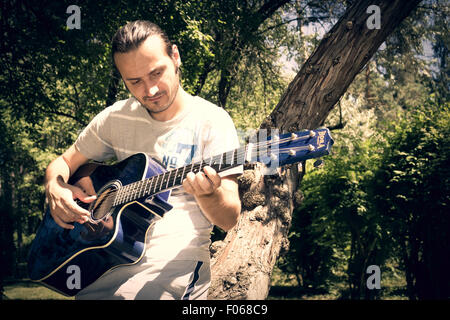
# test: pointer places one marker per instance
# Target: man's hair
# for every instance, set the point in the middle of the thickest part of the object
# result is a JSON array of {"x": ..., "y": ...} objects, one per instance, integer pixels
[{"x": 130, "y": 36}]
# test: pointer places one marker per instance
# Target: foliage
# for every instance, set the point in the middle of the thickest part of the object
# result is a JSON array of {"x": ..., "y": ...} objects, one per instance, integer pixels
[
  {"x": 383, "y": 195},
  {"x": 384, "y": 198},
  {"x": 411, "y": 189},
  {"x": 336, "y": 221}
]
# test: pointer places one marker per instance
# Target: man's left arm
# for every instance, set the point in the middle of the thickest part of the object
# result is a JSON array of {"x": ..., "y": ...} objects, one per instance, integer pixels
[{"x": 217, "y": 197}]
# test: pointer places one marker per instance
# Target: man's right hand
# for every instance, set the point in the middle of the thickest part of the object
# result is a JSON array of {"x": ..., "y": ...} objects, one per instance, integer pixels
[
  {"x": 61, "y": 196},
  {"x": 63, "y": 207}
]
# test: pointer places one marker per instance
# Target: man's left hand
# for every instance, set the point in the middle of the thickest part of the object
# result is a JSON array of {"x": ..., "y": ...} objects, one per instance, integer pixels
[{"x": 203, "y": 183}]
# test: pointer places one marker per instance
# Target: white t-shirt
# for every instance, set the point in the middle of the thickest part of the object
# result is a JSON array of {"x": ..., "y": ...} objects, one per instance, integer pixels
[{"x": 202, "y": 130}]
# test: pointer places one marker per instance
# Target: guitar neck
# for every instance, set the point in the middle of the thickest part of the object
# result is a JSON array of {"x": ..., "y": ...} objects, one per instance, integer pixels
[
  {"x": 174, "y": 178},
  {"x": 277, "y": 151}
]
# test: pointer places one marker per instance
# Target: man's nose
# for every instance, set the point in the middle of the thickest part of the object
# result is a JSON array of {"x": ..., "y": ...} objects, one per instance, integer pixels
[{"x": 153, "y": 90}]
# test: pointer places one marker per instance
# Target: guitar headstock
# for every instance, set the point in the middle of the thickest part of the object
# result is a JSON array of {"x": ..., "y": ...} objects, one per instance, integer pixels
[{"x": 295, "y": 147}]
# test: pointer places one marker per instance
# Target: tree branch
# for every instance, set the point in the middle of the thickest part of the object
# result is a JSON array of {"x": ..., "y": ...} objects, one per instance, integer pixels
[
  {"x": 59, "y": 113},
  {"x": 268, "y": 9}
]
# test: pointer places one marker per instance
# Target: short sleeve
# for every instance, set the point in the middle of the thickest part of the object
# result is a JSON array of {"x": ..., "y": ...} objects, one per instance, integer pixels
[
  {"x": 222, "y": 138},
  {"x": 93, "y": 141}
]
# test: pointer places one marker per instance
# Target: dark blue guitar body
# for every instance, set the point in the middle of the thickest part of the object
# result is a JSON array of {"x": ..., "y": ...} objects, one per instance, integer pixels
[{"x": 92, "y": 248}]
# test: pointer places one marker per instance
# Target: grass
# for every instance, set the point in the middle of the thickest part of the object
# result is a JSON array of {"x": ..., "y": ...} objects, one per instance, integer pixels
[
  {"x": 283, "y": 287},
  {"x": 27, "y": 290}
]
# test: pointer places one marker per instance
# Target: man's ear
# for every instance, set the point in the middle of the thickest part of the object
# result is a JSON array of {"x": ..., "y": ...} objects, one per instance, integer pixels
[{"x": 176, "y": 56}]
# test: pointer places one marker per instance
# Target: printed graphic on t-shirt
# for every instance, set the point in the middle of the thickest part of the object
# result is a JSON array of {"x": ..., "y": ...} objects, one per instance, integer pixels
[{"x": 178, "y": 148}]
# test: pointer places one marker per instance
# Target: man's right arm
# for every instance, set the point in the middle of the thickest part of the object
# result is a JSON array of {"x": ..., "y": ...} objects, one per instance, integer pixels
[{"x": 61, "y": 196}]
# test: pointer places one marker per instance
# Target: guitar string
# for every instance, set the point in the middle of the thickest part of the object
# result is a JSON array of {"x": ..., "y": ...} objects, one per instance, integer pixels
[{"x": 133, "y": 188}]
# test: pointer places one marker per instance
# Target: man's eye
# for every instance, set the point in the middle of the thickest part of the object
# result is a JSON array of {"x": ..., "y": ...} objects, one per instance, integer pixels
[{"x": 135, "y": 82}]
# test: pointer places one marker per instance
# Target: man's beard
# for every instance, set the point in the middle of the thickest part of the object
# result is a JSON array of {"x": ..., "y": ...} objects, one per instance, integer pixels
[{"x": 150, "y": 108}]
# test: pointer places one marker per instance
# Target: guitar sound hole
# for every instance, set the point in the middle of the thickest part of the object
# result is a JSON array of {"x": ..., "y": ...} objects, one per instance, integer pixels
[{"x": 102, "y": 206}]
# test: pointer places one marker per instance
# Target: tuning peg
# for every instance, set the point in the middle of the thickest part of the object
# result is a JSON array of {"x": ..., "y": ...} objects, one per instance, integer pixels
[
  {"x": 318, "y": 163},
  {"x": 292, "y": 152},
  {"x": 311, "y": 133},
  {"x": 293, "y": 136}
]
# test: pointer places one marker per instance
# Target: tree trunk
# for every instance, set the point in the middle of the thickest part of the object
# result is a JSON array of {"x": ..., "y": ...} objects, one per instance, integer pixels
[{"x": 242, "y": 263}]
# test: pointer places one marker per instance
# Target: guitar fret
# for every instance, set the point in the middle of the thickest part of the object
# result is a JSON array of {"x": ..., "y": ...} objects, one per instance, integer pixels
[
  {"x": 133, "y": 191},
  {"x": 151, "y": 184},
  {"x": 220, "y": 163},
  {"x": 125, "y": 198},
  {"x": 156, "y": 183},
  {"x": 229, "y": 159},
  {"x": 168, "y": 179},
  {"x": 140, "y": 188},
  {"x": 213, "y": 163},
  {"x": 148, "y": 185},
  {"x": 162, "y": 180},
  {"x": 224, "y": 158},
  {"x": 248, "y": 152},
  {"x": 122, "y": 194},
  {"x": 182, "y": 175},
  {"x": 116, "y": 197},
  {"x": 240, "y": 155},
  {"x": 175, "y": 178},
  {"x": 130, "y": 193},
  {"x": 178, "y": 177}
]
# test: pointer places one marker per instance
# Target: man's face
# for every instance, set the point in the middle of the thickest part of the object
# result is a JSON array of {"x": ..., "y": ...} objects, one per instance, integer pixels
[{"x": 150, "y": 74}]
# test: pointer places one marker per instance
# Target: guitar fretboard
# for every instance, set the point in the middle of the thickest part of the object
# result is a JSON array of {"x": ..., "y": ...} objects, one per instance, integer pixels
[
  {"x": 174, "y": 178},
  {"x": 293, "y": 147}
]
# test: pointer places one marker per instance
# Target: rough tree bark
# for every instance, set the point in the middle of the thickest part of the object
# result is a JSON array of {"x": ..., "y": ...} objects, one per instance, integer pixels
[{"x": 242, "y": 263}]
